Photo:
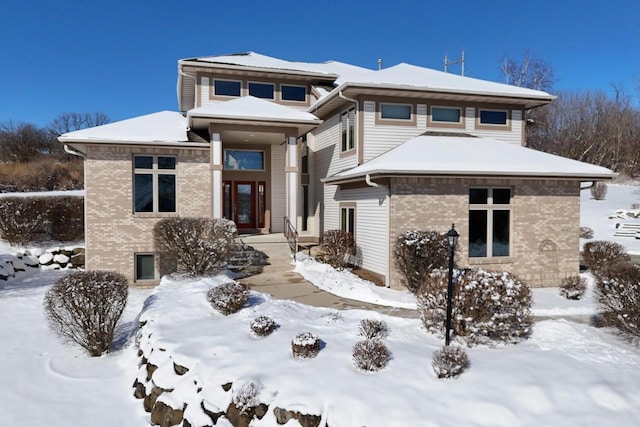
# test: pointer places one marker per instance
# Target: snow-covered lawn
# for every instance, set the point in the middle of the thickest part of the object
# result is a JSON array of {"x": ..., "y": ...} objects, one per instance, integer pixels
[{"x": 567, "y": 373}]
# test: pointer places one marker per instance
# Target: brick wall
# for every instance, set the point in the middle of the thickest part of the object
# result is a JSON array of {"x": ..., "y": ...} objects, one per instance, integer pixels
[
  {"x": 113, "y": 234},
  {"x": 545, "y": 223}
]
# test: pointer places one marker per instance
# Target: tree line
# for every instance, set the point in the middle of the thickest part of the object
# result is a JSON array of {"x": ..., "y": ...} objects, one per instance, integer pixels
[{"x": 592, "y": 126}]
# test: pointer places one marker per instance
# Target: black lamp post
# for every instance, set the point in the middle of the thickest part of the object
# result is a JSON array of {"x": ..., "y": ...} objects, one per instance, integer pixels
[{"x": 452, "y": 237}]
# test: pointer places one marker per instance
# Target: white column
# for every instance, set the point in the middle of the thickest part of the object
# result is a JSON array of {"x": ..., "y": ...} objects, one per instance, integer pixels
[
  {"x": 216, "y": 175},
  {"x": 292, "y": 171}
]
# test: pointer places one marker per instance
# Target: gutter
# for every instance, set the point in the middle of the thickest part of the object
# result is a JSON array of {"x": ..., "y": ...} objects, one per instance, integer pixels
[{"x": 71, "y": 151}]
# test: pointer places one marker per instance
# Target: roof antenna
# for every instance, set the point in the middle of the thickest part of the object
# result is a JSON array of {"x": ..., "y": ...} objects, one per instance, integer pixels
[
  {"x": 459, "y": 61},
  {"x": 379, "y": 63}
]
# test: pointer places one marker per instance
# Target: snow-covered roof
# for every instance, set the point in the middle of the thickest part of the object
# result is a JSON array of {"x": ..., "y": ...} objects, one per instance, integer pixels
[
  {"x": 164, "y": 126},
  {"x": 256, "y": 60},
  {"x": 252, "y": 108},
  {"x": 467, "y": 155}
]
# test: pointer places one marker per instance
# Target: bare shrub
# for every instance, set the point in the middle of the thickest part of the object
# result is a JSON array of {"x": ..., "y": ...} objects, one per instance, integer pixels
[
  {"x": 601, "y": 253},
  {"x": 66, "y": 218},
  {"x": 84, "y": 308},
  {"x": 599, "y": 190},
  {"x": 305, "y": 345},
  {"x": 201, "y": 246},
  {"x": 22, "y": 220},
  {"x": 487, "y": 307},
  {"x": 246, "y": 398},
  {"x": 449, "y": 361},
  {"x": 617, "y": 293},
  {"x": 337, "y": 247},
  {"x": 370, "y": 355},
  {"x": 263, "y": 326},
  {"x": 373, "y": 329},
  {"x": 43, "y": 174},
  {"x": 586, "y": 233},
  {"x": 416, "y": 253},
  {"x": 573, "y": 287},
  {"x": 228, "y": 298}
]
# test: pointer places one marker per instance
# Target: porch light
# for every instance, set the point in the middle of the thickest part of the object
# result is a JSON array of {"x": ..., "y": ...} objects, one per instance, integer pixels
[{"x": 452, "y": 238}]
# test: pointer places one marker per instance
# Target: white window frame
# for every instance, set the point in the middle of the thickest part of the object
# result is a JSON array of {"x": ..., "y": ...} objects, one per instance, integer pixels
[
  {"x": 490, "y": 207},
  {"x": 350, "y": 144},
  {"x": 224, "y": 159},
  {"x": 347, "y": 208},
  {"x": 155, "y": 172}
]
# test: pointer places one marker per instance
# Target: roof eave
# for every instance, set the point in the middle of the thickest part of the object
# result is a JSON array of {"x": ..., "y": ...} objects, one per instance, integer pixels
[
  {"x": 186, "y": 144},
  {"x": 195, "y": 62}
]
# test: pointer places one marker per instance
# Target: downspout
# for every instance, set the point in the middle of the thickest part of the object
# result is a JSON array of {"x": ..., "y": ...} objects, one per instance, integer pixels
[
  {"x": 593, "y": 183},
  {"x": 73, "y": 152}
]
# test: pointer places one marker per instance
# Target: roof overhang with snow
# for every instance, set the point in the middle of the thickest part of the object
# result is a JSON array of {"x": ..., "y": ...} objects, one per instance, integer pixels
[{"x": 466, "y": 156}]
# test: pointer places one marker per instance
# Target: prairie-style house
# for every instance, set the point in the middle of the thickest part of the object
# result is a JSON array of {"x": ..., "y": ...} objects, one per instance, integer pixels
[{"x": 265, "y": 141}]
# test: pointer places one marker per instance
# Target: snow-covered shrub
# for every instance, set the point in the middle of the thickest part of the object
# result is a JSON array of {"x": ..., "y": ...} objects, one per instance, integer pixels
[
  {"x": 22, "y": 220},
  {"x": 487, "y": 307},
  {"x": 337, "y": 246},
  {"x": 263, "y": 326},
  {"x": 305, "y": 345},
  {"x": 370, "y": 355},
  {"x": 416, "y": 253},
  {"x": 246, "y": 398},
  {"x": 449, "y": 361},
  {"x": 373, "y": 329},
  {"x": 228, "y": 298},
  {"x": 200, "y": 246},
  {"x": 617, "y": 293},
  {"x": 66, "y": 218},
  {"x": 84, "y": 308},
  {"x": 601, "y": 253},
  {"x": 586, "y": 233},
  {"x": 573, "y": 287},
  {"x": 599, "y": 190}
]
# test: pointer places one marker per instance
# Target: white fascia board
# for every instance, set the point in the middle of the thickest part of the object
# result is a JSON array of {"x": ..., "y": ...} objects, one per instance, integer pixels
[
  {"x": 176, "y": 144},
  {"x": 204, "y": 64}
]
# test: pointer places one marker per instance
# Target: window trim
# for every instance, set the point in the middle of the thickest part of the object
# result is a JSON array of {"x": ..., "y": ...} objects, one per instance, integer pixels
[
  {"x": 411, "y": 121},
  {"x": 493, "y": 126},
  {"x": 212, "y": 88},
  {"x": 155, "y": 172},
  {"x": 435, "y": 123},
  {"x": 224, "y": 159},
  {"x": 490, "y": 207},
  {"x": 273, "y": 85},
  {"x": 136, "y": 279},
  {"x": 305, "y": 101},
  {"x": 348, "y": 206},
  {"x": 351, "y": 143}
]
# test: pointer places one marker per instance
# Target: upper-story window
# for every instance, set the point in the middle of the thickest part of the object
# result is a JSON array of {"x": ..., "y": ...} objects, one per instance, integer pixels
[
  {"x": 262, "y": 90},
  {"x": 446, "y": 114},
  {"x": 226, "y": 88},
  {"x": 293, "y": 93},
  {"x": 395, "y": 111},
  {"x": 154, "y": 184},
  {"x": 347, "y": 130},
  {"x": 493, "y": 117}
]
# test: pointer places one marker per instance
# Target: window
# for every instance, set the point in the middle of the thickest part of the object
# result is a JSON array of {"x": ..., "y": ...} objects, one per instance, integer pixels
[
  {"x": 262, "y": 90},
  {"x": 348, "y": 123},
  {"x": 145, "y": 267},
  {"x": 489, "y": 222},
  {"x": 446, "y": 114},
  {"x": 395, "y": 111},
  {"x": 226, "y": 88},
  {"x": 293, "y": 93},
  {"x": 493, "y": 117},
  {"x": 348, "y": 219},
  {"x": 154, "y": 184},
  {"x": 244, "y": 160}
]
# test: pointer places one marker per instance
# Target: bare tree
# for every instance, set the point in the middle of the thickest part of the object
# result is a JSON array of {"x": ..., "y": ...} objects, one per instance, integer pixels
[
  {"x": 69, "y": 122},
  {"x": 532, "y": 73},
  {"x": 22, "y": 142}
]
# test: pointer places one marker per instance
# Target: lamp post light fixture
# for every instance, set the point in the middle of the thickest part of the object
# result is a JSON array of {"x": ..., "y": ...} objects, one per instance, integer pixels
[{"x": 452, "y": 237}]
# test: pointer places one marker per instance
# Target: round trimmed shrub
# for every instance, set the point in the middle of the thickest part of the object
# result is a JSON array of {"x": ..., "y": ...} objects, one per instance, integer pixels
[
  {"x": 370, "y": 355},
  {"x": 263, "y": 326},
  {"x": 573, "y": 287},
  {"x": 417, "y": 253},
  {"x": 84, "y": 308},
  {"x": 487, "y": 307},
  {"x": 373, "y": 329},
  {"x": 601, "y": 253},
  {"x": 449, "y": 361},
  {"x": 599, "y": 190},
  {"x": 228, "y": 298},
  {"x": 305, "y": 345}
]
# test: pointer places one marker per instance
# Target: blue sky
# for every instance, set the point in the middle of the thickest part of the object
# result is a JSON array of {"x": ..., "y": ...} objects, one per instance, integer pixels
[{"x": 120, "y": 57}]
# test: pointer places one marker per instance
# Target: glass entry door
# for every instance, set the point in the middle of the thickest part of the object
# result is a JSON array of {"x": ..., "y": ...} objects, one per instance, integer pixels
[{"x": 244, "y": 214}]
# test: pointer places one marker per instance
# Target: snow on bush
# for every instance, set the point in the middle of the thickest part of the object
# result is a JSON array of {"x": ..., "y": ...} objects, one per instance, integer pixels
[
  {"x": 305, "y": 345},
  {"x": 337, "y": 246},
  {"x": 487, "y": 307},
  {"x": 617, "y": 293},
  {"x": 599, "y": 190},
  {"x": 263, "y": 326},
  {"x": 370, "y": 355},
  {"x": 21, "y": 221},
  {"x": 573, "y": 287},
  {"x": 373, "y": 329},
  {"x": 84, "y": 308},
  {"x": 601, "y": 253},
  {"x": 228, "y": 298},
  {"x": 449, "y": 361},
  {"x": 417, "y": 253},
  {"x": 586, "y": 233},
  {"x": 246, "y": 398},
  {"x": 199, "y": 246}
]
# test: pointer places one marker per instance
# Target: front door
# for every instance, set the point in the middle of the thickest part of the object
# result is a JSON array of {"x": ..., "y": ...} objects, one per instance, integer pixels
[{"x": 244, "y": 207}]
